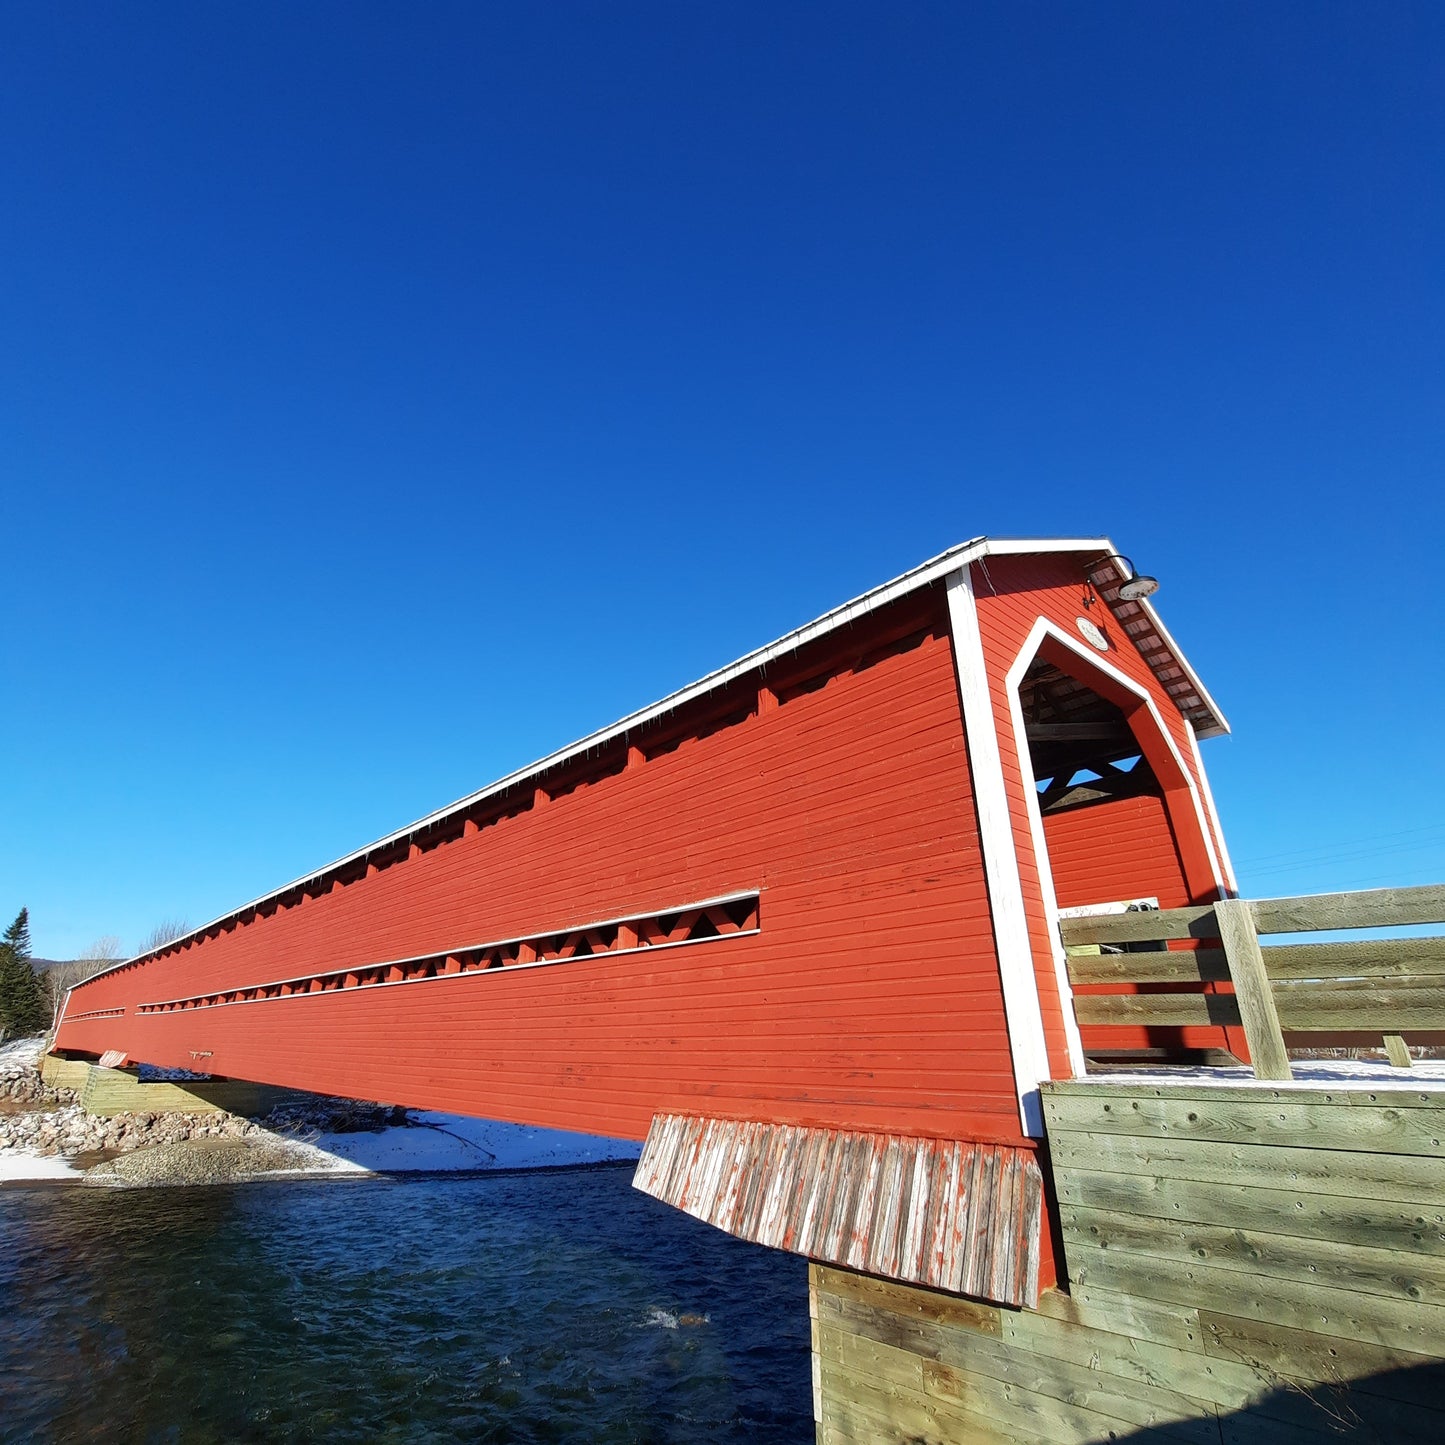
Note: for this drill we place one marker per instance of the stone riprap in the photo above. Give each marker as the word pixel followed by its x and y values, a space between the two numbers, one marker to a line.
pixel 207 1160
pixel 69 1131
pixel 173 1148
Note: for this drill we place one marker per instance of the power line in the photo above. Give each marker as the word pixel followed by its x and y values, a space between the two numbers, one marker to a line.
pixel 1325 859
pixel 1350 881
pixel 1376 837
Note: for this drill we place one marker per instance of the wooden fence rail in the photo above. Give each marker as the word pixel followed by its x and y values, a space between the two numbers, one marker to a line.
pixel 1389 986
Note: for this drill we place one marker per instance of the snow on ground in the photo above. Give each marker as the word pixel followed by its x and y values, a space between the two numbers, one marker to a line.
pixel 1426 1074
pixel 16 1167
pixel 21 1053
pixel 434 1143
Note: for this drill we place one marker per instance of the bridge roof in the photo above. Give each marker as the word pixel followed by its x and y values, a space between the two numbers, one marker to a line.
pixel 1139 618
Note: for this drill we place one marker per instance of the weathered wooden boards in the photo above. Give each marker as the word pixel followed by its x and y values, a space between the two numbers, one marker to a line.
pixel 1376 958
pixel 897 1363
pixel 1245 1264
pixel 1368 908
pixel 958 1214
pixel 1301 1008
pixel 107 1092
pixel 1387 987
pixel 64 1073
pixel 1303 1229
pixel 1251 989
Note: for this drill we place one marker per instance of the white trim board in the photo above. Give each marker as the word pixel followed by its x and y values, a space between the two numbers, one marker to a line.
pixel 331 971
pixel 149 1009
pixel 1042 865
pixel 1146 606
pixel 1225 862
pixel 1022 1010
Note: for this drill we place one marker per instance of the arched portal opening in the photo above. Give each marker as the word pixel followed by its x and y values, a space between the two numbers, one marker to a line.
pixel 1102 805
pixel 1117 823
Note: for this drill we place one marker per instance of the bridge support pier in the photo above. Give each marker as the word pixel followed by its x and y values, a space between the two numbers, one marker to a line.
pixel 107 1092
pixel 1244 1263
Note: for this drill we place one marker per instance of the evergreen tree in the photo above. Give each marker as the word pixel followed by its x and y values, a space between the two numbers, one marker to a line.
pixel 18 935
pixel 22 1002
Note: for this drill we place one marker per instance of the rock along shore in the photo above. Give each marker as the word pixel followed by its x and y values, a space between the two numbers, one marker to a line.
pixel 166 1148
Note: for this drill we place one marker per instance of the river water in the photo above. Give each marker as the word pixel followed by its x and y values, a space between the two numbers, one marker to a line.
pixel 558 1306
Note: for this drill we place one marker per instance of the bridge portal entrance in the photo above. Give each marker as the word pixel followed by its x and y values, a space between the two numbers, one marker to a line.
pixel 1116 822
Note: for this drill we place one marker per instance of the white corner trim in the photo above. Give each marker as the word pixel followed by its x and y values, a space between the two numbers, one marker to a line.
pixel 1225 862
pixel 1041 847
pixel 1044 627
pixel 1027 1043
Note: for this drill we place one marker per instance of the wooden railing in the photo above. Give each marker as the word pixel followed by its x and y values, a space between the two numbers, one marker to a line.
pixel 1386 987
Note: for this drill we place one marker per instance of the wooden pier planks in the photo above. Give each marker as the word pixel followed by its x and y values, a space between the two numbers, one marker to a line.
pixel 1246 1264
pixel 1358 1241
pixel 107 1092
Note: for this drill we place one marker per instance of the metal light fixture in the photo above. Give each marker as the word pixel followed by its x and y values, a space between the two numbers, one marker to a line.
pixel 1136 584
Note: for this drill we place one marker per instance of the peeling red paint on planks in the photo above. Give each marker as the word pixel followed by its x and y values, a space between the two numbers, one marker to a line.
pixel 953 1214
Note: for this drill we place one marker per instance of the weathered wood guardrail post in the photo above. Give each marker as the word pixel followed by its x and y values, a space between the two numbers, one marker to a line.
pixel 1252 990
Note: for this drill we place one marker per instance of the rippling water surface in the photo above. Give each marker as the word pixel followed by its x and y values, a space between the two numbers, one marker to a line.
pixel 529 1307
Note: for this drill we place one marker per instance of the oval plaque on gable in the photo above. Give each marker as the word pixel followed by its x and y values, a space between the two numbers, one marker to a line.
pixel 1092 634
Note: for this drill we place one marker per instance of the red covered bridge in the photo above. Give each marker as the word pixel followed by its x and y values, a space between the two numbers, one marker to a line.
pixel 817 889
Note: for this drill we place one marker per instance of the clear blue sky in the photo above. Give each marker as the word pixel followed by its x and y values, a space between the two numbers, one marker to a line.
pixel 391 394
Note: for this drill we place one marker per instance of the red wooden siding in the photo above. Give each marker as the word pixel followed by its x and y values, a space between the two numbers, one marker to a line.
pixel 1114 851
pixel 869 999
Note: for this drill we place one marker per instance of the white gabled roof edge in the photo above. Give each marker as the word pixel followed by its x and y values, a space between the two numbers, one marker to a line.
pixel 923 575
pixel 1221 727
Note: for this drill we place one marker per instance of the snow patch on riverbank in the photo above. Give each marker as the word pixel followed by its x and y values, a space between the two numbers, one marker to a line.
pixel 19 1167
pixel 39 1141
pixel 22 1053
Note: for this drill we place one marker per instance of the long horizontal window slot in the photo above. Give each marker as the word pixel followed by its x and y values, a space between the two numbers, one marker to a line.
pixel 733 915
